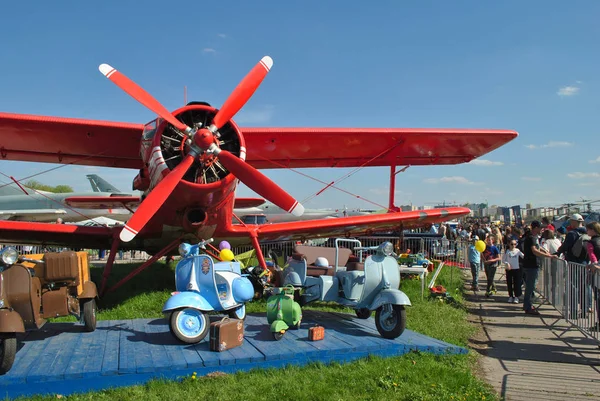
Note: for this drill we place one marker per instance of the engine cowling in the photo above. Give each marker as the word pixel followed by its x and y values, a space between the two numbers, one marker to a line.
pixel 164 147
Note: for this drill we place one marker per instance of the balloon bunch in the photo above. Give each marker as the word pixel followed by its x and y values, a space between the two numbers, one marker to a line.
pixel 225 253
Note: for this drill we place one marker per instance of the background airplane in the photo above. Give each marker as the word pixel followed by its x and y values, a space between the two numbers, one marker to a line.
pixel 26 204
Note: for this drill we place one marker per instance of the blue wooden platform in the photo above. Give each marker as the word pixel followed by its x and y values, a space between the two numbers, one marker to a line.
pixel 62 359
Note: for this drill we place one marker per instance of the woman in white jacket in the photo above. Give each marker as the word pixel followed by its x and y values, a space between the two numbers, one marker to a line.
pixel 514 275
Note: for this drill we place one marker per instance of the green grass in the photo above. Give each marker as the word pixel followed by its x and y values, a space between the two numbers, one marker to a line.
pixel 414 376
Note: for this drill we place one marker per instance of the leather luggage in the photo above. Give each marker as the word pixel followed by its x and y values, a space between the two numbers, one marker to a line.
pixel 316 333
pixel 226 334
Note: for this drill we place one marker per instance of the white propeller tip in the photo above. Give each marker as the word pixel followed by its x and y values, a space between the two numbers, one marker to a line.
pixel 127 234
pixel 267 62
pixel 105 69
pixel 297 210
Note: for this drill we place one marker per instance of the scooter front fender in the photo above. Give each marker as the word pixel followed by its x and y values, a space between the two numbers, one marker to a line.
pixel 187 299
pixel 11 322
pixel 278 326
pixel 390 296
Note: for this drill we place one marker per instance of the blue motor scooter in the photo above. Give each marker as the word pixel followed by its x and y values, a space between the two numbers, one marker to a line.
pixel 203 286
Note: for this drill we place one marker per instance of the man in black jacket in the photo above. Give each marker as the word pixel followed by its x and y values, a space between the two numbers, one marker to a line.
pixel 531 250
pixel 576 229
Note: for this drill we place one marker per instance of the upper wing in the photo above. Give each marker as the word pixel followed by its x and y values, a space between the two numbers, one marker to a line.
pixel 69 140
pixel 352 147
pixel 351 226
pixel 111 144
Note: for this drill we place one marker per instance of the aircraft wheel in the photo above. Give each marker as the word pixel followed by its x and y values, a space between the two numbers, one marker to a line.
pixel 390 320
pixel 89 314
pixel 189 325
pixel 238 313
pixel 8 350
pixel 363 313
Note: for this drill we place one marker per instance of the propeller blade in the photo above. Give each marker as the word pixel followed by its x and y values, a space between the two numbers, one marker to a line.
pixel 243 91
pixel 260 183
pixel 139 94
pixel 155 200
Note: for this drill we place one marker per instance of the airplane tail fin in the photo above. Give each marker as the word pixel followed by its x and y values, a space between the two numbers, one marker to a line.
pixel 101 185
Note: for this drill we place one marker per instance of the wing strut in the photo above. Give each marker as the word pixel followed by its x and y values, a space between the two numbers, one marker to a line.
pixel 393 173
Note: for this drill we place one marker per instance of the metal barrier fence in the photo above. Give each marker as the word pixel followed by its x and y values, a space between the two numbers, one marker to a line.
pixel 95 254
pixel 574 290
pixel 438 248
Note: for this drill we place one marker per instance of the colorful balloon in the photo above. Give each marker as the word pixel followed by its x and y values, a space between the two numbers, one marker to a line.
pixel 226 255
pixel 224 245
pixel 480 246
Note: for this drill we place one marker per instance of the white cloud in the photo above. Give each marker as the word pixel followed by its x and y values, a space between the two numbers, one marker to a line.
pixel 595 161
pixel 579 175
pixel 482 162
pixel 455 179
pixel 208 50
pixel 255 116
pixel 568 90
pixel 551 144
pixel 531 178
pixel 222 35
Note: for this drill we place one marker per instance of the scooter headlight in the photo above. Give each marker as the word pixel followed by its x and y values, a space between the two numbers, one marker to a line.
pixel 184 249
pixel 9 255
pixel 387 248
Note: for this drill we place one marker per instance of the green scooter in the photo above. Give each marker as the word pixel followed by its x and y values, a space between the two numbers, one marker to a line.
pixel 283 312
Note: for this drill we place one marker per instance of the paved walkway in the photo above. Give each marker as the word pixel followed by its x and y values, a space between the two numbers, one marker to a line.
pixel 527 357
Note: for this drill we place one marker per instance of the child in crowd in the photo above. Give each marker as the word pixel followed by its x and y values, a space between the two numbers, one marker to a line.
pixel 514 275
pixel 475 262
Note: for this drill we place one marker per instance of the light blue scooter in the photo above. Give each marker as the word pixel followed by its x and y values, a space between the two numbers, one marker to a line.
pixel 375 288
pixel 203 286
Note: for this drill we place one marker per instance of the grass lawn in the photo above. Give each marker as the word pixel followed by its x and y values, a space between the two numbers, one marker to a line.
pixel 415 376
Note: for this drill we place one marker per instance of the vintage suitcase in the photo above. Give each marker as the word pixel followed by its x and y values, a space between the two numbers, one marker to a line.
pixel 226 334
pixel 316 333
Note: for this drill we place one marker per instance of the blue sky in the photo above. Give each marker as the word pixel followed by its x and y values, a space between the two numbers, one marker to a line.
pixel 528 66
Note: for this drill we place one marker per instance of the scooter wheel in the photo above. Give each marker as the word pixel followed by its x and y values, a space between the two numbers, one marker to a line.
pixel 8 350
pixel 189 325
pixel 89 314
pixel 278 335
pixel 390 325
pixel 238 313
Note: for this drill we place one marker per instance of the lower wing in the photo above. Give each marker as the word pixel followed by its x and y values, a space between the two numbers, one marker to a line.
pixel 350 226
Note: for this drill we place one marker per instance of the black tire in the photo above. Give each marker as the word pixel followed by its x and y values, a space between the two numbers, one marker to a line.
pixel 278 335
pixel 363 313
pixel 8 350
pixel 393 328
pixel 89 314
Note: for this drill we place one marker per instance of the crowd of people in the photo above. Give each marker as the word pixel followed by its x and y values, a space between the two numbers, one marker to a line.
pixel 520 251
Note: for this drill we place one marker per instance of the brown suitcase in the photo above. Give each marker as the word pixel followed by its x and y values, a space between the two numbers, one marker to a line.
pixel 316 333
pixel 226 334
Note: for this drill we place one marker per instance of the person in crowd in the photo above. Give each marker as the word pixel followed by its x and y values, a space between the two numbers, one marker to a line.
pixel 514 275
pixel 531 252
pixel 546 225
pixel 593 251
pixel 491 259
pixel 498 235
pixel 549 243
pixel 474 262
pixel 577 229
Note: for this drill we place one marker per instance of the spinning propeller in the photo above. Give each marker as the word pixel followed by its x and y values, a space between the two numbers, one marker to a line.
pixel 203 141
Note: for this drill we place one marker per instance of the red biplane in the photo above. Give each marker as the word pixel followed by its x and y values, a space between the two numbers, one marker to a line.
pixel 190 161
